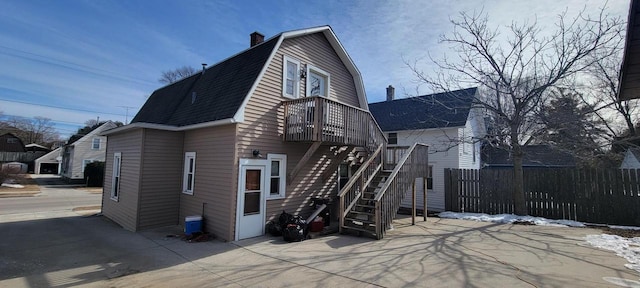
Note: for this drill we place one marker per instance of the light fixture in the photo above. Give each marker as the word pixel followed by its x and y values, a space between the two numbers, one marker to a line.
pixel 256 153
pixel 303 73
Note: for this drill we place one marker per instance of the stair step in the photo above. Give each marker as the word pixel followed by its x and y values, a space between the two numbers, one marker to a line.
pixel 356 220
pixel 362 213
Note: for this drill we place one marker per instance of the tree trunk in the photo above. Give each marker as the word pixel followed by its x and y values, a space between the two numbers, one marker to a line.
pixel 519 204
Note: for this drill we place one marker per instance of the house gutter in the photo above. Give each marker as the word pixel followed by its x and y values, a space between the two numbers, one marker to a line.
pixel 144 125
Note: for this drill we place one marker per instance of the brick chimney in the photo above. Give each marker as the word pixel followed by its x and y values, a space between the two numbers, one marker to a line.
pixel 391 93
pixel 256 38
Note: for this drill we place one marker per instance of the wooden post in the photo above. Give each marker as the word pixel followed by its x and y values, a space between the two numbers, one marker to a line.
pixel 413 200
pixel 424 198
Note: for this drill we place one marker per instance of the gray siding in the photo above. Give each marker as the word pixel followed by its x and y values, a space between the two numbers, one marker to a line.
pixel 161 179
pixel 263 125
pixel 125 210
pixel 215 179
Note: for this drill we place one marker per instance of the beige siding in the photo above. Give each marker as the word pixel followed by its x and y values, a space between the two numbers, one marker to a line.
pixel 161 179
pixel 316 51
pixel 215 179
pixel 124 211
pixel 263 126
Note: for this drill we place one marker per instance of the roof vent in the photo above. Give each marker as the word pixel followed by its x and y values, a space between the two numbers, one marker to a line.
pixel 204 67
pixel 193 97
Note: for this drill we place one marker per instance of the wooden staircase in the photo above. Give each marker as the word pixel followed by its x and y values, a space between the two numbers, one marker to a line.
pixel 361 217
pixel 371 209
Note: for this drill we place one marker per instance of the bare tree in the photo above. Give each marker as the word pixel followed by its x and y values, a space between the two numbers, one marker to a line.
pixel 515 75
pixel 39 130
pixel 171 76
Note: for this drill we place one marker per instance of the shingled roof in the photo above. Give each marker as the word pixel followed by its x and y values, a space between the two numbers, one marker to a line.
pixel 215 94
pixel 449 109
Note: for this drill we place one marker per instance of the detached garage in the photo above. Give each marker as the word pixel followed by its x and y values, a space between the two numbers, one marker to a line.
pixel 49 163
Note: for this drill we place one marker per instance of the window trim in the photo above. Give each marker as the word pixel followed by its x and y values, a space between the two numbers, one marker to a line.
pixel 186 172
pixel 282 158
pixel 316 70
pixel 93 143
pixel 115 185
pixel 296 80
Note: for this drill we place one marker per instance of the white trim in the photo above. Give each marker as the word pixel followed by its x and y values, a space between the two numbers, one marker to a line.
pixel 247 162
pixel 296 78
pixel 115 187
pixel 188 170
pixel 282 158
pixel 144 125
pixel 322 73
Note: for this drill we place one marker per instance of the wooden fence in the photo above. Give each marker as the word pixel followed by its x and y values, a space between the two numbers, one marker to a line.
pixel 594 196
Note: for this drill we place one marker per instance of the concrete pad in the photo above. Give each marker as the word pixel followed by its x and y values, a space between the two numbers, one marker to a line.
pixel 69 250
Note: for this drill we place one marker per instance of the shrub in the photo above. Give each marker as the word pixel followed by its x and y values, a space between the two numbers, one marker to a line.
pixel 94 174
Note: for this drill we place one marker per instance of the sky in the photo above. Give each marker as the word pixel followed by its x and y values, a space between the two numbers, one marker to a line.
pixel 72 61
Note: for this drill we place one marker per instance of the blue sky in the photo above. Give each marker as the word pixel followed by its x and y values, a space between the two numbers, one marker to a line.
pixel 72 61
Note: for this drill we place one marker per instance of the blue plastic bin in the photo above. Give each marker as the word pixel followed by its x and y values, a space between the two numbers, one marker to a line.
pixel 192 224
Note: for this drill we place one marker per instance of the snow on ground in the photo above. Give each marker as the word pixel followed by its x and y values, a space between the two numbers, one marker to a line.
pixel 12 185
pixel 628 248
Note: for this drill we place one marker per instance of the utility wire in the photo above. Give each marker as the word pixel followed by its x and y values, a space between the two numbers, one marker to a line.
pixel 60 107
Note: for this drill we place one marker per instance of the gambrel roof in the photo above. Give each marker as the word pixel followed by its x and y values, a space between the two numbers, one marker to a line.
pixel 219 94
pixel 441 110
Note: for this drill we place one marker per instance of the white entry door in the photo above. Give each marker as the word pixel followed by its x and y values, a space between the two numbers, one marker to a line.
pixel 251 201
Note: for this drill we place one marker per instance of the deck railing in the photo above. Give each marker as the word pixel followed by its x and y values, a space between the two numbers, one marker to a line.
pixel 319 119
pixel 393 156
pixel 352 191
pixel 412 165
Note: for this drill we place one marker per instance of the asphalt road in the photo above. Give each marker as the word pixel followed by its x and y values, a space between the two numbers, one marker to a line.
pixel 53 197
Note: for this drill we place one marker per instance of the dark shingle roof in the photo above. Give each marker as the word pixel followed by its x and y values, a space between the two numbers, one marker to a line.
pixel 534 156
pixel 213 95
pixel 449 109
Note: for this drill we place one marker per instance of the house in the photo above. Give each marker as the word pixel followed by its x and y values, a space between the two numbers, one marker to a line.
pixel 629 87
pixel 88 148
pixel 11 143
pixel 50 163
pixel 448 122
pixel 631 159
pixel 535 156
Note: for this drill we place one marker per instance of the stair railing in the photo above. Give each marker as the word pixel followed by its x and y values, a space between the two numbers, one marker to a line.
pixel 352 191
pixel 412 165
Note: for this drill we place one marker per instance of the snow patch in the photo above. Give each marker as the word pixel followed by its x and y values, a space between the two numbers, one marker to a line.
pixel 510 218
pixel 12 185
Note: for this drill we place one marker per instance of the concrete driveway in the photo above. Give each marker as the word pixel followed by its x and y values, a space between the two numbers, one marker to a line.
pixel 64 249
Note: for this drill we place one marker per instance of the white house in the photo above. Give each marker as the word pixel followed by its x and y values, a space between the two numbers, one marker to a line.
pixel 446 122
pixel 91 147
pixel 631 159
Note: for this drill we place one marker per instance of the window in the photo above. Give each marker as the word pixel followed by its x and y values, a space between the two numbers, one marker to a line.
pixel 430 178
pixel 115 178
pixel 277 175
pixel 290 77
pixel 12 140
pixel 189 172
pixel 343 175
pixel 317 82
pixel 474 151
pixel 393 138
pixel 96 144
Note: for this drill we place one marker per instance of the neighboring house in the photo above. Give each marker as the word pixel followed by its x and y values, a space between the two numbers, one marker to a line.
pixel 33 147
pixel 87 149
pixel 50 163
pixel 11 143
pixel 631 159
pixel 535 156
pixel 263 131
pixel 629 87
pixel 446 122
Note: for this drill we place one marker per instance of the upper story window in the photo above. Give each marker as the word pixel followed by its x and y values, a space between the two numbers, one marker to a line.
pixel 317 82
pixel 96 144
pixel 12 140
pixel 393 138
pixel 290 77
